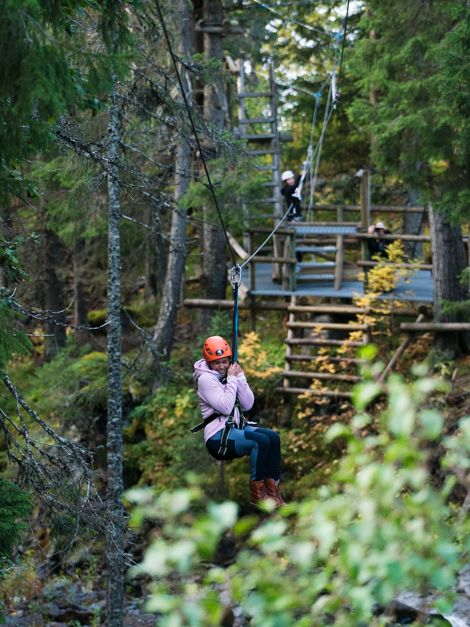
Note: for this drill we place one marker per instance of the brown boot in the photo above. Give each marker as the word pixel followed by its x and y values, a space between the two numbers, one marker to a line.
pixel 258 492
pixel 273 492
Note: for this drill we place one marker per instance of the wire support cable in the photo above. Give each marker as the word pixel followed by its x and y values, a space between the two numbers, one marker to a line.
pixel 261 246
pixel 292 20
pixel 344 38
pixel 193 127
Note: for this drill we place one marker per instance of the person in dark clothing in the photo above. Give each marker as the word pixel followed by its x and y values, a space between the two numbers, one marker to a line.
pixel 290 183
pixel 377 246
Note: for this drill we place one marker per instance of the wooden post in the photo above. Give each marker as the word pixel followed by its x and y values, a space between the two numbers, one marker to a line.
pixel 290 335
pixel 365 208
pixel 340 213
pixel 288 267
pixel 251 265
pixel 339 261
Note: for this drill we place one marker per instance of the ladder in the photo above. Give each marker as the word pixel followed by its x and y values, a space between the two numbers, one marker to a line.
pixel 262 140
pixel 328 362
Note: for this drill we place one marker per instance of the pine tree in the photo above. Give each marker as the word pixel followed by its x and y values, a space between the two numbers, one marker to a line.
pixel 419 117
pixel 15 507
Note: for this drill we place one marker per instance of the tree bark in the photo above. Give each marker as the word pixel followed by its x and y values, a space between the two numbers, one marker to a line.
pixel 52 292
pixel 80 309
pixel 115 539
pixel 214 243
pixel 163 335
pixel 448 261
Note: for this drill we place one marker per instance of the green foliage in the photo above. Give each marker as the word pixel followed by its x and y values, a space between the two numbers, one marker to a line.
pixel 47 66
pixel 412 73
pixel 379 527
pixel 161 449
pixel 232 183
pixel 15 507
pixel 12 340
pixel 9 260
pixel 75 380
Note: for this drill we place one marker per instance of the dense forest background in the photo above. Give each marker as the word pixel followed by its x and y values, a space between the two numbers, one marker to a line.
pixel 111 511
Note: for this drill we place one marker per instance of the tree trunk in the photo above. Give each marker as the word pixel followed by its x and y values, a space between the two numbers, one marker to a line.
pixel 448 262
pixel 214 243
pixel 163 335
pixel 80 309
pixel 52 292
pixel 115 539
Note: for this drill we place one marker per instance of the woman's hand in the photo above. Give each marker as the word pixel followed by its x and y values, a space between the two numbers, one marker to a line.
pixel 235 370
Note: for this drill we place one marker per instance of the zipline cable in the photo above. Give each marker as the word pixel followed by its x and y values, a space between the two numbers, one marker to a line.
pixel 333 97
pixel 344 38
pixel 193 126
pixel 273 232
pixel 292 20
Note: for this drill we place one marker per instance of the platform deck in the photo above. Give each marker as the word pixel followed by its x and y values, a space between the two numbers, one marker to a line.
pixel 418 289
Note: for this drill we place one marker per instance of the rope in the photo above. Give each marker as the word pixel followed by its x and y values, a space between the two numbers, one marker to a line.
pixel 326 118
pixel 193 126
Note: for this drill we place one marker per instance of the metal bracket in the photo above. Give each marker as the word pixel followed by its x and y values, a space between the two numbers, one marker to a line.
pixel 236 275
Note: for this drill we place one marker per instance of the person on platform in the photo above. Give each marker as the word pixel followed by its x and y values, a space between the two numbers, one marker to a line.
pixel 290 183
pixel 377 246
pixel 224 394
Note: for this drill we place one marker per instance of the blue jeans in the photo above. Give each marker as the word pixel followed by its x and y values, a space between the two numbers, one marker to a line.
pixel 262 445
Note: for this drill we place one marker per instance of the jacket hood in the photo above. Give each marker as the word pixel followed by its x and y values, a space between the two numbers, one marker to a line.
pixel 201 367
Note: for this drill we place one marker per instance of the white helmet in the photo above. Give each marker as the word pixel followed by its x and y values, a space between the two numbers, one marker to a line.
pixel 288 174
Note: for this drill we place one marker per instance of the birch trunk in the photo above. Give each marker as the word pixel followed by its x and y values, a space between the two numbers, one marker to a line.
pixel 214 259
pixel 115 539
pixel 163 335
pixel 448 262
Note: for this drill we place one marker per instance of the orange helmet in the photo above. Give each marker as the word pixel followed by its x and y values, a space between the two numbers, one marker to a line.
pixel 216 347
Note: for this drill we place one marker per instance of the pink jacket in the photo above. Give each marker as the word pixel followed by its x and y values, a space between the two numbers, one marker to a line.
pixel 215 397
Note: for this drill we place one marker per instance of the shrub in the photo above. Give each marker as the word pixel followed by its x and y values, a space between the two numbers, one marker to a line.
pixel 379 527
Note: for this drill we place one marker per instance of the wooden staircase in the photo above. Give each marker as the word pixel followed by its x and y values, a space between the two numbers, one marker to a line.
pixel 262 139
pixel 333 360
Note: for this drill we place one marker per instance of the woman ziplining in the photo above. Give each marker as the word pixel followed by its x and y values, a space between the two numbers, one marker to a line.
pixel 224 396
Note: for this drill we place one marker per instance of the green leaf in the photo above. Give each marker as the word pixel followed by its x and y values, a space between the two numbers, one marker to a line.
pixel 364 393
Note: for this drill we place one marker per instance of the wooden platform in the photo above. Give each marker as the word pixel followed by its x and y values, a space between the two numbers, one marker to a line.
pixel 419 288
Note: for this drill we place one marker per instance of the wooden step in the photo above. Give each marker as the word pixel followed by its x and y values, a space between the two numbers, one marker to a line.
pixel 315 249
pixel 260 137
pixel 262 151
pixel 255 94
pixel 326 393
pixel 326 376
pixel 312 265
pixel 318 342
pixel 338 326
pixel 315 277
pixel 341 309
pixel 335 360
pixel 257 121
